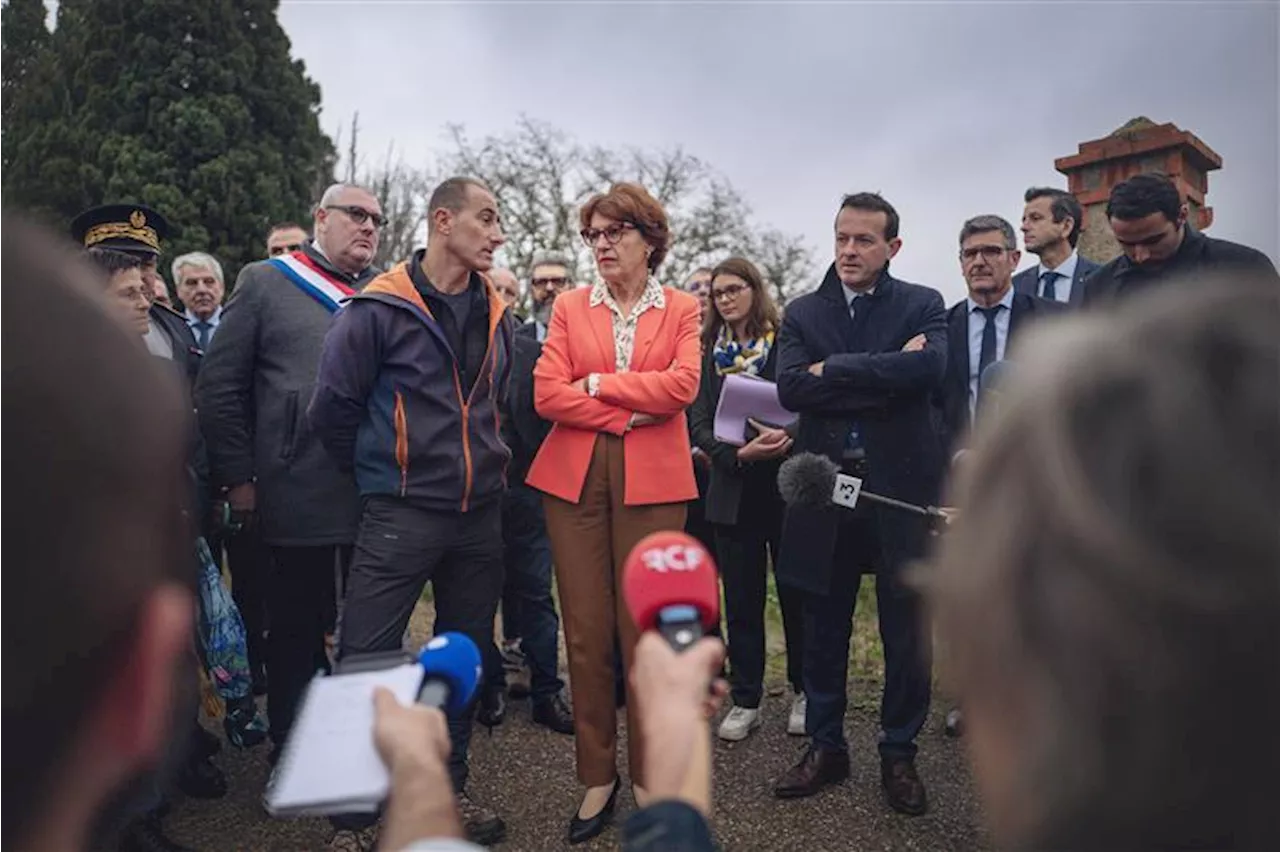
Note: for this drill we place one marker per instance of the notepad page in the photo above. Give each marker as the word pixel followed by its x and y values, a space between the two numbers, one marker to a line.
pixel 330 760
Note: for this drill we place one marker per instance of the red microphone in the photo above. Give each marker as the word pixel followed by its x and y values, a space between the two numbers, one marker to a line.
pixel 670 585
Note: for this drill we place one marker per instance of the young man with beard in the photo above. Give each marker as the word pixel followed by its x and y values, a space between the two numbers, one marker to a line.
pixel 410 395
pixel 530 623
pixel 1149 219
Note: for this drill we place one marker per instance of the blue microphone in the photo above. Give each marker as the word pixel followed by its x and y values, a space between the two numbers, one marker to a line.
pixel 452 672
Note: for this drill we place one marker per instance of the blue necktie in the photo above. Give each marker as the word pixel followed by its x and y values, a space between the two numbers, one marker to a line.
pixel 202 338
pixel 1050 289
pixel 987 354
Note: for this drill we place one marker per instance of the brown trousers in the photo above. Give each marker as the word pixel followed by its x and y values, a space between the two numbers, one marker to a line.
pixel 590 541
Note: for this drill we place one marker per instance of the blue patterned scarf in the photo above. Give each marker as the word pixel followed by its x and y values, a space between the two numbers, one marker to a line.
pixel 731 356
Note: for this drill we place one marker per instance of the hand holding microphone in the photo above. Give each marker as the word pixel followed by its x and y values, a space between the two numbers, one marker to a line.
pixel 451 672
pixel 413 741
pixel 671 590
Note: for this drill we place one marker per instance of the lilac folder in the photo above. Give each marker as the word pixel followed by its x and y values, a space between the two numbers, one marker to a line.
pixel 743 397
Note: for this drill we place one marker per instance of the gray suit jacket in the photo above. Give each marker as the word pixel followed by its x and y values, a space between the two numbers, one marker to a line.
pixel 252 395
pixel 1028 280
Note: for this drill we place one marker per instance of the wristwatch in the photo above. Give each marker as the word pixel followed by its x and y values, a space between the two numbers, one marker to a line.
pixel 593 385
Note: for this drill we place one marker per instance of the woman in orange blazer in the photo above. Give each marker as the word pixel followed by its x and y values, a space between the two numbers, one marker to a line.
pixel 620 364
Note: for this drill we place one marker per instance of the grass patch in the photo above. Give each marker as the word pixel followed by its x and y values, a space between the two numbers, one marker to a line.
pixel 866 656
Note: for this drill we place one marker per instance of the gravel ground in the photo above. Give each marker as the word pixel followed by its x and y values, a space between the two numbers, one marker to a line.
pixel 526 773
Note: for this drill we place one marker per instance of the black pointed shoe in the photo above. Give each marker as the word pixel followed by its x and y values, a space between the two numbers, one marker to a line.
pixel 582 830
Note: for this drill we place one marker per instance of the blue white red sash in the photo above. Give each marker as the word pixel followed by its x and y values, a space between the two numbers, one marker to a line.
pixel 314 280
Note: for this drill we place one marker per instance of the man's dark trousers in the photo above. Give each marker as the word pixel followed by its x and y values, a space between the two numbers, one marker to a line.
pixel 300 597
pixel 249 559
pixel 399 549
pixel 828 629
pixel 527 560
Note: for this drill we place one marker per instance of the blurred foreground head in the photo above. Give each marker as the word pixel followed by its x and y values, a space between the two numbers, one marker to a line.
pixel 1109 601
pixel 95 561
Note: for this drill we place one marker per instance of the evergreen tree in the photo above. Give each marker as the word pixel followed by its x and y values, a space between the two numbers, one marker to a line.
pixel 193 108
pixel 23 42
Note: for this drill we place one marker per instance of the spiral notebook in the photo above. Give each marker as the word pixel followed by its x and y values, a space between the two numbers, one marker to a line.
pixel 330 764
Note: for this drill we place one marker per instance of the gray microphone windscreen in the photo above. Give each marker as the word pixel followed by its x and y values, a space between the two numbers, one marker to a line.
pixel 995 376
pixel 807 479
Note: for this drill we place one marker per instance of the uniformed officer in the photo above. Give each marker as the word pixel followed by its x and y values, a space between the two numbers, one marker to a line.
pixel 138 229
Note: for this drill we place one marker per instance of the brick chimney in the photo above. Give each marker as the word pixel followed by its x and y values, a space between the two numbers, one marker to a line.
pixel 1139 146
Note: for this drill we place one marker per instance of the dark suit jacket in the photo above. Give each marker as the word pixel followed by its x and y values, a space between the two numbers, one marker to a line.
pixel 523 429
pixel 186 354
pixel 1028 280
pixel 1120 278
pixel 953 396
pixel 888 391
pixel 727 476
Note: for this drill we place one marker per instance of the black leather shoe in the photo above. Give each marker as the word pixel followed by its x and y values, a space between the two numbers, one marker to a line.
pixel 553 712
pixel 816 770
pixel 582 830
pixel 493 707
pixel 145 835
pixel 902 786
pixel 200 779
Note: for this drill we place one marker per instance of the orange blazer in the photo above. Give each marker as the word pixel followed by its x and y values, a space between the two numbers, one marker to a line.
pixel 666 367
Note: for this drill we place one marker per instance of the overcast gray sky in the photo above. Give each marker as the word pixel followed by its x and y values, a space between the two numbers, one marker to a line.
pixel 950 109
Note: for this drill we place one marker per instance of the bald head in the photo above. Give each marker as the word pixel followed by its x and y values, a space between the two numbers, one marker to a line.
pixel 507 285
pixel 348 225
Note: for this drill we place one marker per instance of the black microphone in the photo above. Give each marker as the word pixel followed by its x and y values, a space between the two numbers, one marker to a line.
pixel 813 480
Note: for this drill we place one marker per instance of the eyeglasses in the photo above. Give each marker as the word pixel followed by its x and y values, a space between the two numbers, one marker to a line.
pixel 541 283
pixel 359 215
pixel 289 249
pixel 612 234
pixel 987 252
pixel 728 294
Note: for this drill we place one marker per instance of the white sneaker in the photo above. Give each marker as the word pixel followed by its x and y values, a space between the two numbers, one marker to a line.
pixel 795 722
pixel 740 722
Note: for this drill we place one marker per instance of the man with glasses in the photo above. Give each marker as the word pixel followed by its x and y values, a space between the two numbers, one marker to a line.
pixel 530 623
pixel 252 397
pixel 285 238
pixel 1149 219
pixel 981 327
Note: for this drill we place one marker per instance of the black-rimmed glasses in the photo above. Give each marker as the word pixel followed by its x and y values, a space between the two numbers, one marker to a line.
pixel 359 215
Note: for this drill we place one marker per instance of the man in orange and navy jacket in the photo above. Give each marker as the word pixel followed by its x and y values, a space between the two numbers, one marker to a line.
pixel 410 394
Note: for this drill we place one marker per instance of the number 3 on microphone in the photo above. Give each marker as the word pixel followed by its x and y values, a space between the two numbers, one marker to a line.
pixel 846 490
pixel 676 557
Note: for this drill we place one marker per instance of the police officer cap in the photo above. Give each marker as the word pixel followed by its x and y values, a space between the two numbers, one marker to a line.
pixel 124 227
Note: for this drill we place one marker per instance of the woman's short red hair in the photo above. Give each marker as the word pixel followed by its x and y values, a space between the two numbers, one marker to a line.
pixel 631 202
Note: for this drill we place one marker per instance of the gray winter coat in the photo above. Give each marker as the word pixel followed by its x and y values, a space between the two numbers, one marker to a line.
pixel 252 395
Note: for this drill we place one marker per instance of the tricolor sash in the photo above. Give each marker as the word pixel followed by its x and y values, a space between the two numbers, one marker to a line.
pixel 312 279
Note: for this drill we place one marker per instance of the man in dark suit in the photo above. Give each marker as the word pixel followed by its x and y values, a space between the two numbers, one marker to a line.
pixel 1149 220
pixel 980 328
pixel 528 610
pixel 860 359
pixel 1051 224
